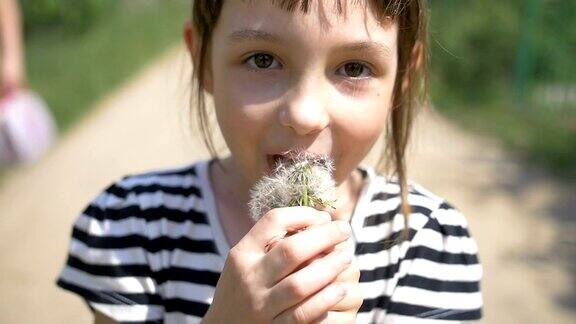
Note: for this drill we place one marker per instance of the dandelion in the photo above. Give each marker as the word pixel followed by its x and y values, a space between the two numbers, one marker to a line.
pixel 299 179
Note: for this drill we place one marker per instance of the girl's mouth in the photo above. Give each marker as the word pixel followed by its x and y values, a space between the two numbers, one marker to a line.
pixel 273 160
pixel 289 157
pixel 302 179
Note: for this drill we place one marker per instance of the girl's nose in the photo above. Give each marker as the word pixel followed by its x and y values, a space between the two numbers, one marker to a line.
pixel 305 112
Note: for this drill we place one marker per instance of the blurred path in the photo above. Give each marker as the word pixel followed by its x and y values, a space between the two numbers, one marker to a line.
pixel 135 129
pixel 510 208
pixel 524 221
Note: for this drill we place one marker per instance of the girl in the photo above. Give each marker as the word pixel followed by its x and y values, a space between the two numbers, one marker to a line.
pixel 323 77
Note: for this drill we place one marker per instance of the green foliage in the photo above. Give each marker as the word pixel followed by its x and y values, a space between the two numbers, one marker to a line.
pixel 473 46
pixel 73 71
pixel 475 52
pixel 555 43
pixel 69 15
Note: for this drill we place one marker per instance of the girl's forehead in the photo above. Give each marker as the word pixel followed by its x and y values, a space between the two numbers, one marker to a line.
pixel 245 19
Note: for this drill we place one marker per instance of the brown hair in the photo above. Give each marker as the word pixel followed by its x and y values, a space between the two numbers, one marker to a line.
pixel 410 88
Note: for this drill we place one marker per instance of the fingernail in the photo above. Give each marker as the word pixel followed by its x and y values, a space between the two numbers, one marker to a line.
pixel 345 257
pixel 344 227
pixel 336 291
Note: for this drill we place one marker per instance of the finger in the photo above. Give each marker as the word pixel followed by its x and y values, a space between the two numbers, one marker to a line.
pixel 350 278
pixel 333 317
pixel 346 245
pixel 350 274
pixel 352 300
pixel 317 258
pixel 345 275
pixel 294 250
pixel 313 307
pixel 280 221
pixel 308 281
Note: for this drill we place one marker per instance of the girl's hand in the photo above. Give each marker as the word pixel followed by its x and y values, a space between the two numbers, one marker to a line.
pixel 347 308
pixel 272 287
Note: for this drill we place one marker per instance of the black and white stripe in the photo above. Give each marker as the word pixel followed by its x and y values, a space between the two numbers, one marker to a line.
pixel 149 249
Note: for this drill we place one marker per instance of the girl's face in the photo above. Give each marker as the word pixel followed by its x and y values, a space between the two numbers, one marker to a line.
pixel 321 82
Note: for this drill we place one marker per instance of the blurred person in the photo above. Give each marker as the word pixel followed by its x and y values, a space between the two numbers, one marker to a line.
pixel 12 57
pixel 27 129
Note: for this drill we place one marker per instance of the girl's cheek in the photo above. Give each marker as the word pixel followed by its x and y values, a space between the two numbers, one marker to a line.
pixel 246 105
pixel 362 130
pixel 355 90
pixel 362 120
pixel 266 83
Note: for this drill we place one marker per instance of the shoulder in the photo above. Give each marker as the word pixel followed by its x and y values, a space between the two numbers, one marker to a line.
pixel 382 204
pixel 169 192
pixel 434 223
pixel 141 207
pixel 435 273
pixel 121 240
pixel 442 273
pixel 182 180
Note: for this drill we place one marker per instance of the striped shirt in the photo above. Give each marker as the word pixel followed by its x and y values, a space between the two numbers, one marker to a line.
pixel 150 248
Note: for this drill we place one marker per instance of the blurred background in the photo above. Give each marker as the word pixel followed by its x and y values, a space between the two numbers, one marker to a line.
pixel 499 143
pixel 506 69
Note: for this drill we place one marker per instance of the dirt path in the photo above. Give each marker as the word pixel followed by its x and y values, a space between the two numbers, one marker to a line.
pixel 524 222
pixel 521 219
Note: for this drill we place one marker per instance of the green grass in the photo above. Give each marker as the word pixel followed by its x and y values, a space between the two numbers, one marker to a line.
pixel 73 71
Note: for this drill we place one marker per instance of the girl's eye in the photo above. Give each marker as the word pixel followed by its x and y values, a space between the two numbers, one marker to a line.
pixel 264 61
pixel 260 60
pixel 356 70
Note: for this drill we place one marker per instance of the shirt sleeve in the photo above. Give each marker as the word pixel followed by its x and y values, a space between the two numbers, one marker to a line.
pixel 107 262
pixel 439 280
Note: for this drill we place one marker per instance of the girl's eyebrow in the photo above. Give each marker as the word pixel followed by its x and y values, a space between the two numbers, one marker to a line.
pixel 254 34
pixel 366 46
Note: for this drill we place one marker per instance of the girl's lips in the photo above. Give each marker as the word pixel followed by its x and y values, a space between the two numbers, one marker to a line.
pixel 273 159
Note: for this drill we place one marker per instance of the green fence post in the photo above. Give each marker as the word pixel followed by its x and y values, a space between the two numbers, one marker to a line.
pixel 525 55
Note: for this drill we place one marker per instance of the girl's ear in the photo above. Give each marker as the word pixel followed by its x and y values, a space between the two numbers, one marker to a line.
pixel 418 55
pixel 416 59
pixel 193 43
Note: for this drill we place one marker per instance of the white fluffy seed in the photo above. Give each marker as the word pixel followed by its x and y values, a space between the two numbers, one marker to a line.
pixel 285 188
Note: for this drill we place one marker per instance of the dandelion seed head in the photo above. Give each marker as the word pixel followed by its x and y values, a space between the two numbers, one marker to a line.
pixel 295 176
